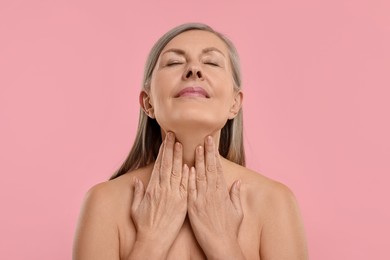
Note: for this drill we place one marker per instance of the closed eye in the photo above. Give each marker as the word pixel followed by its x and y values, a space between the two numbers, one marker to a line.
pixel 212 64
pixel 174 63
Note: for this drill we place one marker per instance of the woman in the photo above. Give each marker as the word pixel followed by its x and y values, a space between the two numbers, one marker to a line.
pixel 183 192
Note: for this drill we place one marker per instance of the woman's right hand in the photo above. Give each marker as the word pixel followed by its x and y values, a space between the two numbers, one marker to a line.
pixel 159 211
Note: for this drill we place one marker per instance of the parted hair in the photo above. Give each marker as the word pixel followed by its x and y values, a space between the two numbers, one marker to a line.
pixel 148 139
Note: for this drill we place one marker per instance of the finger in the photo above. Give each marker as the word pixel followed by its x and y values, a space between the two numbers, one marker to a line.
pixel 220 182
pixel 138 194
pixel 184 180
pixel 155 177
pixel 192 192
pixel 176 173
pixel 166 161
pixel 211 168
pixel 235 196
pixel 201 181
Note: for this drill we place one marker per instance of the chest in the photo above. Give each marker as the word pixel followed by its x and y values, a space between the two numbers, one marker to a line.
pixel 186 246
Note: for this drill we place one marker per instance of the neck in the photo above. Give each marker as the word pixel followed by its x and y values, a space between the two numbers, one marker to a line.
pixel 192 140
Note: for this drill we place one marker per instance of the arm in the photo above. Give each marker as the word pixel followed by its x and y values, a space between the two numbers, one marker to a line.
pixel 282 236
pixel 96 234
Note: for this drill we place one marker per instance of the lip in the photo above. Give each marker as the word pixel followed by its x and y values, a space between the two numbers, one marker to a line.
pixel 194 91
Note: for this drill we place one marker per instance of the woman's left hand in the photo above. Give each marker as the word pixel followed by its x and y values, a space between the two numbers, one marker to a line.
pixel 214 212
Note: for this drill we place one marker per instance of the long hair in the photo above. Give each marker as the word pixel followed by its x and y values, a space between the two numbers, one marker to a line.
pixel 148 138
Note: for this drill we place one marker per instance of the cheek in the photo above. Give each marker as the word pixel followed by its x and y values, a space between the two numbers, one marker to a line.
pixel 224 90
pixel 162 84
pixel 221 80
pixel 159 88
pixel 159 98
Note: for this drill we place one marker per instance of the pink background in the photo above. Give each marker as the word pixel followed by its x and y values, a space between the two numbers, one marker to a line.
pixel 316 81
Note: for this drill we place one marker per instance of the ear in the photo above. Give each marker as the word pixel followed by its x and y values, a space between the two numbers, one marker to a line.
pixel 236 106
pixel 144 101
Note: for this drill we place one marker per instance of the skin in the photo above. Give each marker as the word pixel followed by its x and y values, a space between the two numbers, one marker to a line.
pixel 191 203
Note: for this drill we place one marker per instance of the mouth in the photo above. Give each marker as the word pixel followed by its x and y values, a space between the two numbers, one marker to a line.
pixel 193 92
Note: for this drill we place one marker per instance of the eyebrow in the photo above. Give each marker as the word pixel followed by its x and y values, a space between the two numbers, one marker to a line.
pixel 212 49
pixel 182 52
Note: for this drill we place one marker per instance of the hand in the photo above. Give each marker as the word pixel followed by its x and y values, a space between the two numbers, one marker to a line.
pixel 214 213
pixel 159 212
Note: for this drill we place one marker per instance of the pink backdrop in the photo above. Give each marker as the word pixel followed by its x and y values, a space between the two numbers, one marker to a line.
pixel 316 81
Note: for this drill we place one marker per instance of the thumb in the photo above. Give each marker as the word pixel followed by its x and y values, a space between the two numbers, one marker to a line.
pixel 235 196
pixel 138 193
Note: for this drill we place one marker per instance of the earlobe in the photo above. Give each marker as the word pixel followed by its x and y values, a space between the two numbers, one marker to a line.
pixel 236 106
pixel 144 101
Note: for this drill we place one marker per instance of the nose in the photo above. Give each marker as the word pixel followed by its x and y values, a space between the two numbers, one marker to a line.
pixel 193 72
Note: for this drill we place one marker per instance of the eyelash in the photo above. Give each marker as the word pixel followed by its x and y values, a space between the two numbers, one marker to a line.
pixel 178 63
pixel 212 64
pixel 173 64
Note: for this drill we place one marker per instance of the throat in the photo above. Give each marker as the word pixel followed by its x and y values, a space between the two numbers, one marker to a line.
pixel 191 142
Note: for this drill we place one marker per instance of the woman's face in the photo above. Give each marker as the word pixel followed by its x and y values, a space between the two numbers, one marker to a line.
pixel 192 83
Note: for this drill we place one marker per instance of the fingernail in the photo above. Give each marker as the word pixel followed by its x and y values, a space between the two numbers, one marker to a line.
pixel 238 184
pixel 209 140
pixel 169 136
pixel 200 150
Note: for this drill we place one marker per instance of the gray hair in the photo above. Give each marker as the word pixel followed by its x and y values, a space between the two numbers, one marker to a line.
pixel 148 138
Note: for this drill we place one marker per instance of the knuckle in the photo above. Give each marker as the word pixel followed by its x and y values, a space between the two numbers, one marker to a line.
pixel 183 187
pixel 151 194
pixel 201 177
pixel 175 173
pixel 177 150
pixel 211 168
pixel 191 189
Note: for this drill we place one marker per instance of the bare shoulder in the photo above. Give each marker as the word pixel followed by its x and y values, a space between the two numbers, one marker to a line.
pixel 272 193
pixel 263 191
pixel 105 206
pixel 110 194
pixel 274 207
pixel 104 197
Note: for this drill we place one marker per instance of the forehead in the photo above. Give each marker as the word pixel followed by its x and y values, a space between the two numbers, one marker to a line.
pixel 197 40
